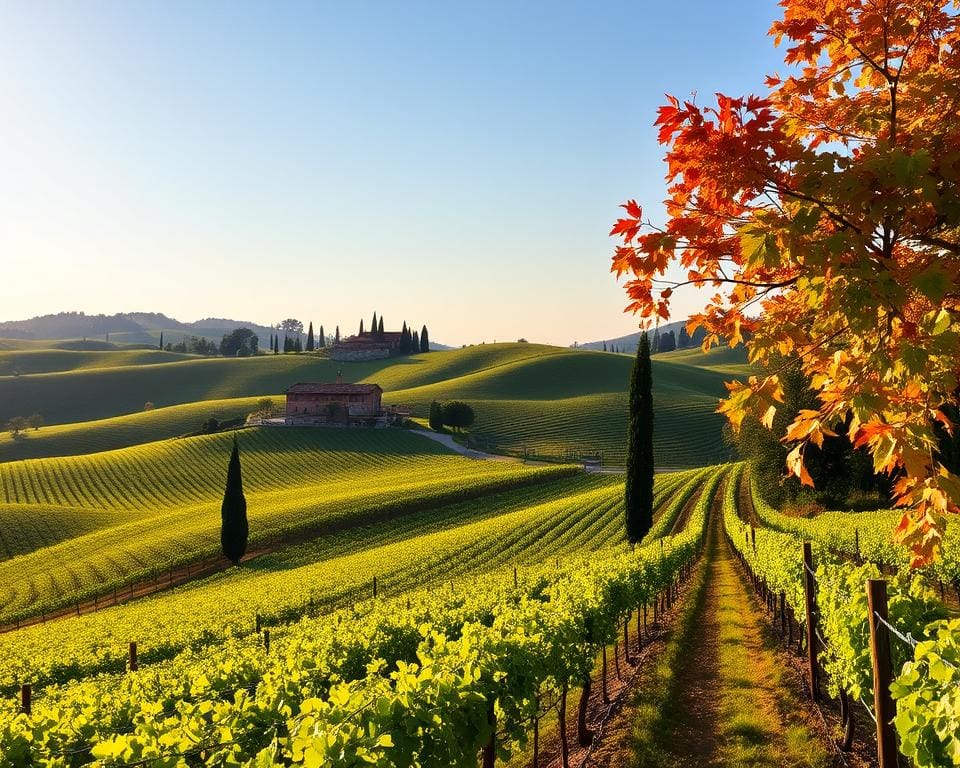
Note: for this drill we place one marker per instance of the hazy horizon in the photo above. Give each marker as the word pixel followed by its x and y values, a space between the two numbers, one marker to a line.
pixel 458 166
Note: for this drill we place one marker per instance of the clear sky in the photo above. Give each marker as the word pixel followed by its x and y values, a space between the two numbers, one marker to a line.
pixel 454 163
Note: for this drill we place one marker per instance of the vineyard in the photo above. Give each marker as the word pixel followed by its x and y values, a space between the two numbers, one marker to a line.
pixel 544 400
pixel 850 586
pixel 437 650
pixel 135 514
pixel 489 613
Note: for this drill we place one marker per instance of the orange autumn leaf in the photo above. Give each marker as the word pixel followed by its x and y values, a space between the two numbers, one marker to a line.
pixel 821 214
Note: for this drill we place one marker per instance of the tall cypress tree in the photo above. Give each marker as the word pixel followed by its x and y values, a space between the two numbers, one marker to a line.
pixel 323 339
pixel 297 346
pixel 415 343
pixel 639 484
pixel 234 528
pixel 161 339
pixel 380 329
pixel 373 326
pixel 310 346
pixel 336 336
pixel 361 326
pixel 424 340
pixel 404 339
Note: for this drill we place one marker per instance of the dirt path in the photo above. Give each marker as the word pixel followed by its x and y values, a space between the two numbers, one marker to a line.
pixel 730 699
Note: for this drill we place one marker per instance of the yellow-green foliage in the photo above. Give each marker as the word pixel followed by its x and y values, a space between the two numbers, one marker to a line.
pixel 158 504
pixel 565 517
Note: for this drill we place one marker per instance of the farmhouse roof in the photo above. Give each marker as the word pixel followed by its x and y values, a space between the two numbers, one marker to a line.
pixel 306 388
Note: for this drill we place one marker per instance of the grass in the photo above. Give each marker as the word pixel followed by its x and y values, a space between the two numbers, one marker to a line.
pixel 719 694
pixel 32 361
pixel 546 400
pixel 135 512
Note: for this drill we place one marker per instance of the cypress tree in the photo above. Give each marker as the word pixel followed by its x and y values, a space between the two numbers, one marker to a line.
pixel 234 528
pixel 373 326
pixel 424 340
pixel 415 343
pixel 404 339
pixel 323 339
pixel 336 336
pixel 310 344
pixel 161 339
pixel 604 346
pixel 361 326
pixel 683 339
pixel 380 329
pixel 298 347
pixel 639 481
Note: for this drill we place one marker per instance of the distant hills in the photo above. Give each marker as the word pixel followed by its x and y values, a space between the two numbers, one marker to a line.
pixel 136 328
pixel 123 327
pixel 629 342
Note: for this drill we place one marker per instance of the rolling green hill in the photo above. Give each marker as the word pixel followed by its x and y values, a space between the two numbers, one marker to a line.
pixel 26 362
pixel 132 513
pixel 548 400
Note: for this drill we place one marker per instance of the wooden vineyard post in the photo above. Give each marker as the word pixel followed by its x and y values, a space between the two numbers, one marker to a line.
pixel 133 657
pixel 809 592
pixel 266 641
pixel 490 748
pixel 883 705
pixel 257 623
pixel 26 695
pixel 374 586
pixel 626 640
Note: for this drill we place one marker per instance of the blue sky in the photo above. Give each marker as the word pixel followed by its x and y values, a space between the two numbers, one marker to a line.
pixel 454 163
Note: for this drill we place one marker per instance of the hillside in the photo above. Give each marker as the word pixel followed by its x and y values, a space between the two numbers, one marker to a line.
pixel 549 400
pixel 139 511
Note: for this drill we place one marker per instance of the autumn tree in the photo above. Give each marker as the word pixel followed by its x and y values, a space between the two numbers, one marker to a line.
pixel 825 216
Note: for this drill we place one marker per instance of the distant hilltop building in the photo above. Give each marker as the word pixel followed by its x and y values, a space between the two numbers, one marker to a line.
pixel 336 404
pixel 366 346
pixel 378 344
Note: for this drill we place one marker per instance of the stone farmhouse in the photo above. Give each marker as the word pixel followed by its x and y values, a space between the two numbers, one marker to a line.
pixel 335 404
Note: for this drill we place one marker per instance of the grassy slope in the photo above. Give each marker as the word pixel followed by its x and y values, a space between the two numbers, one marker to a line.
pixel 134 512
pixel 548 399
pixel 33 361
